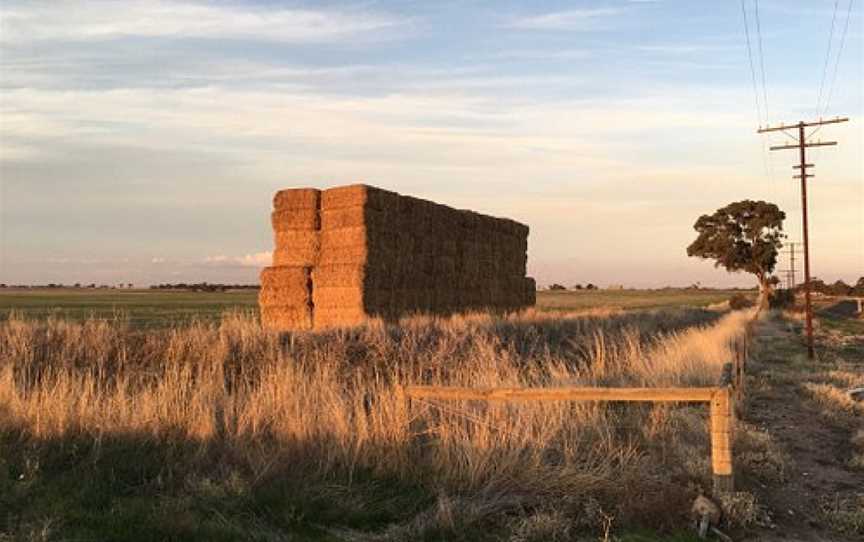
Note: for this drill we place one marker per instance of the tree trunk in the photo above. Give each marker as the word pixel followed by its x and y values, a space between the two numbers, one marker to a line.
pixel 765 290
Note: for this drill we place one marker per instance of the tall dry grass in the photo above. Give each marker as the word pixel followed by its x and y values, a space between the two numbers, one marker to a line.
pixel 328 407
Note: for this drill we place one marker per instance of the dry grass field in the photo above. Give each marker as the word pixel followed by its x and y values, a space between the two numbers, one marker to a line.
pixel 223 431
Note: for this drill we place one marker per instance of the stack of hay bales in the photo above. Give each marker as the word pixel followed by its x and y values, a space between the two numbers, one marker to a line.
pixel 370 252
pixel 286 287
pixel 359 257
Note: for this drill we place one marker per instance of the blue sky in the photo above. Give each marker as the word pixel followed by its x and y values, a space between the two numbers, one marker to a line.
pixel 142 141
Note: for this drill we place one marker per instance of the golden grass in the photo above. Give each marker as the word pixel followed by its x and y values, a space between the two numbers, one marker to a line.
pixel 331 403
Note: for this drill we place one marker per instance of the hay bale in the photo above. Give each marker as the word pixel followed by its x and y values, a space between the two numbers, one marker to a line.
pixel 357 236
pixel 284 277
pixel 357 216
pixel 286 318
pixel 293 296
pixel 349 297
pixel 358 245
pixel 356 255
pixel 530 292
pixel 299 248
pixel 358 195
pixel 297 198
pixel 335 317
pixel 295 219
pixel 351 275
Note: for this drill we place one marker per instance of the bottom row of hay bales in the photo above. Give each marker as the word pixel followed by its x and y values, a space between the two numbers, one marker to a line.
pixel 304 298
pixel 286 297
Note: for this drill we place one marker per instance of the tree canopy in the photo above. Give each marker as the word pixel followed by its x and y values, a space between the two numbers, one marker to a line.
pixel 743 236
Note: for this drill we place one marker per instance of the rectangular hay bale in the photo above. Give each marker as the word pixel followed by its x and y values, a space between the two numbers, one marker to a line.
pixel 284 277
pixel 297 248
pixel 294 219
pixel 294 296
pixel 350 275
pixel 354 217
pixel 336 317
pixel 297 198
pixel 286 318
pixel 358 195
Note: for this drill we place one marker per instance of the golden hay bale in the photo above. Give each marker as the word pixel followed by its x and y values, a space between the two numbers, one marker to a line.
pixel 295 258
pixel 297 198
pixel 335 296
pixel 294 296
pixel 351 275
pixel 348 297
pixel 284 277
pixel 297 248
pixel 358 246
pixel 357 236
pixel 354 217
pixel 282 318
pixel 327 317
pixel 358 195
pixel 295 219
pixel 298 239
pixel 357 255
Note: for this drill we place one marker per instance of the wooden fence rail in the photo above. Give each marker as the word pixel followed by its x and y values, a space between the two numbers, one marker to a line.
pixel 725 402
pixel 720 399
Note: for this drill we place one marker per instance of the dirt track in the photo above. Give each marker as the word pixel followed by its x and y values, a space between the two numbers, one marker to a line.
pixel 821 490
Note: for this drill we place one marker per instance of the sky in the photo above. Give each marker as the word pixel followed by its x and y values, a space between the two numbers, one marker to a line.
pixel 141 142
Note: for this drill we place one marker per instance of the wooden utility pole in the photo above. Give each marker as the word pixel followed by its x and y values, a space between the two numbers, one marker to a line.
pixel 802 146
pixel 790 273
pixel 792 266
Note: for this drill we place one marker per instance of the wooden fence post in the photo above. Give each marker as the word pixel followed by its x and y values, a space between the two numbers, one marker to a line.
pixel 722 422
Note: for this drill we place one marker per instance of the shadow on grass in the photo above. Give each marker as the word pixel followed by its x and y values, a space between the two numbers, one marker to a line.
pixel 132 487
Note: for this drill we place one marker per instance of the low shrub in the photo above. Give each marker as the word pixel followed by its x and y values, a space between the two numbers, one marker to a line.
pixel 740 301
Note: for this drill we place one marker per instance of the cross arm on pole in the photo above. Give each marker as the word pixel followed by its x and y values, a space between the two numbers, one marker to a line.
pixel 819 144
pixel 819 122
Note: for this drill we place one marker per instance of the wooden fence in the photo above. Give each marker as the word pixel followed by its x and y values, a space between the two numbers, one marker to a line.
pixel 726 401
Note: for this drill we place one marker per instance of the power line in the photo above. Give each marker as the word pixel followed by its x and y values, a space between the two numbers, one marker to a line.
pixel 768 168
pixel 752 68
pixel 762 63
pixel 836 66
pixel 827 59
pixel 839 54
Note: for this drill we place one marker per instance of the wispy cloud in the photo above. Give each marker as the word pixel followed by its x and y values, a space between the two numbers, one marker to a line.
pixel 540 54
pixel 88 21
pixel 574 19
pixel 256 259
pixel 685 49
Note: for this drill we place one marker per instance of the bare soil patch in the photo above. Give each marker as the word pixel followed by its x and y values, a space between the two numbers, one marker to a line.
pixel 802 405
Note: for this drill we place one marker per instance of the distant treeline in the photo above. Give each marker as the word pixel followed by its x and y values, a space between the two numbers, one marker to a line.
pixel 590 286
pixel 205 287
pixel 838 288
pixel 192 287
pixel 92 285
